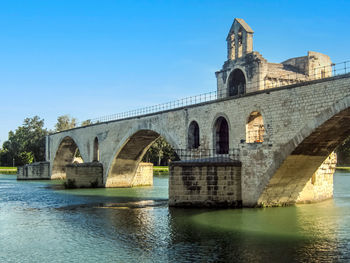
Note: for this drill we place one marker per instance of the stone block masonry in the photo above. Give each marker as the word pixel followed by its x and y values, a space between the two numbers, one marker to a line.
pixel 34 171
pixel 91 174
pixel 320 185
pixel 205 184
pixel 144 175
pixel 85 174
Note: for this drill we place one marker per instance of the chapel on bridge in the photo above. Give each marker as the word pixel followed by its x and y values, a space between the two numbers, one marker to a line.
pixel 248 71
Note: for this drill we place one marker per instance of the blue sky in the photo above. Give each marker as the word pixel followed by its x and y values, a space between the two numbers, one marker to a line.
pixel 94 58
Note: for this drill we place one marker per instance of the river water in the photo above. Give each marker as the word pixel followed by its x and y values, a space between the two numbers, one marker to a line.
pixel 39 223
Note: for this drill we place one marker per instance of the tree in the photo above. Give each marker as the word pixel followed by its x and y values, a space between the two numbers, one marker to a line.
pixel 65 122
pixel 86 123
pixel 343 153
pixel 26 144
pixel 160 153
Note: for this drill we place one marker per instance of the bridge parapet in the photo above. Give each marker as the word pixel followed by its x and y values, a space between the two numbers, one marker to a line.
pixel 284 80
pixel 207 155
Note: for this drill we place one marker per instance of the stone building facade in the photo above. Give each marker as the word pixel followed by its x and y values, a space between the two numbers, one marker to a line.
pixel 247 71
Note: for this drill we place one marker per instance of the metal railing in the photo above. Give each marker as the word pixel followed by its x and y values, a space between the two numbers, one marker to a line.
pixel 269 83
pixel 208 155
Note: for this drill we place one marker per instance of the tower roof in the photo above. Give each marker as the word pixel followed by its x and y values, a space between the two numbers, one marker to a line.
pixel 243 24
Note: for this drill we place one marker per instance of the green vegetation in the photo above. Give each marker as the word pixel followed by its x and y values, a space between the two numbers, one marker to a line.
pixel 343 153
pixel 65 122
pixel 8 170
pixel 160 170
pixel 25 145
pixel 94 184
pixel 160 153
pixel 70 184
pixel 343 168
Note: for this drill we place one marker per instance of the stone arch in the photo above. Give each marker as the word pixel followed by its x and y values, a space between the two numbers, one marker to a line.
pixel 65 154
pixel 96 152
pixel 236 83
pixel 128 156
pixel 255 128
pixel 221 132
pixel 193 134
pixel 299 159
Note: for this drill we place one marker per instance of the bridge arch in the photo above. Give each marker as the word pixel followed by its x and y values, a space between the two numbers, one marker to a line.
pixel 305 153
pixel 193 135
pixel 237 82
pixel 128 155
pixel 221 134
pixel 66 154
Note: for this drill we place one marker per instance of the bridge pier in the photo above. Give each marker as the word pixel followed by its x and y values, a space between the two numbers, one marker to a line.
pixel 205 184
pixel 87 175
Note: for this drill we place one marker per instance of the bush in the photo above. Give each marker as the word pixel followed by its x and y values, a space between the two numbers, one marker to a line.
pixel 70 184
pixel 94 184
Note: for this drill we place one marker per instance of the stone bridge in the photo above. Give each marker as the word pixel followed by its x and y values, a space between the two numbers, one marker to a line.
pixel 285 120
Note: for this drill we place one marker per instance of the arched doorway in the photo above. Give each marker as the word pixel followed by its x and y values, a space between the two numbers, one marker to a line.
pixel 221 135
pixel 193 135
pixel 236 83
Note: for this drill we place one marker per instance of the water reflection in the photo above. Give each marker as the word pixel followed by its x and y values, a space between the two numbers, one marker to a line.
pixel 134 225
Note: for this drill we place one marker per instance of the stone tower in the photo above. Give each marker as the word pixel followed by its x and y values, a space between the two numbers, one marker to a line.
pixel 239 39
pixel 248 71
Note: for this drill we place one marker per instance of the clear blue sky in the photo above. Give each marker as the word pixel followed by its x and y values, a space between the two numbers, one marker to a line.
pixel 94 58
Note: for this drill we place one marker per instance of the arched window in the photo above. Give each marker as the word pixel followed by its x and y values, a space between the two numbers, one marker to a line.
pixel 236 83
pixel 193 135
pixel 221 133
pixel 255 128
pixel 96 151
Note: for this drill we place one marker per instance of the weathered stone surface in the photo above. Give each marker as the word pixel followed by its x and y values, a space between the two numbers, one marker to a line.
pixel 205 184
pixel 34 171
pixel 144 175
pixel 85 174
pixel 320 185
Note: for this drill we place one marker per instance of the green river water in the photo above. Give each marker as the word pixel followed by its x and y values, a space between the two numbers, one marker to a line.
pixel 39 223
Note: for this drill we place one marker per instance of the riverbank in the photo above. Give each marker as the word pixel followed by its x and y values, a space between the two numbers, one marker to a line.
pixel 160 170
pixel 8 170
pixel 343 168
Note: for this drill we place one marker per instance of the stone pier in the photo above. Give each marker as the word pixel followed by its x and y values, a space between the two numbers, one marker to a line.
pixel 34 171
pixel 205 184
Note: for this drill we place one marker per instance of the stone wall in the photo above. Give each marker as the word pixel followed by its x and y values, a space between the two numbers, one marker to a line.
pixel 85 174
pixel 205 184
pixel 34 171
pixel 144 175
pixel 91 174
pixel 320 186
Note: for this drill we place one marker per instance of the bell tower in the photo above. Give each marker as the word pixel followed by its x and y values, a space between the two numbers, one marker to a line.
pixel 239 39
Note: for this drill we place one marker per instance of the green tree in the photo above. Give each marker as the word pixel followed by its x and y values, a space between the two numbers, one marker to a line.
pixel 26 144
pixel 65 122
pixel 343 153
pixel 160 153
pixel 86 123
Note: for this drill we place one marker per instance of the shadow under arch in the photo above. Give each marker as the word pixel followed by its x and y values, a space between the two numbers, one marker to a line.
pixel 123 167
pixel 306 152
pixel 67 153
